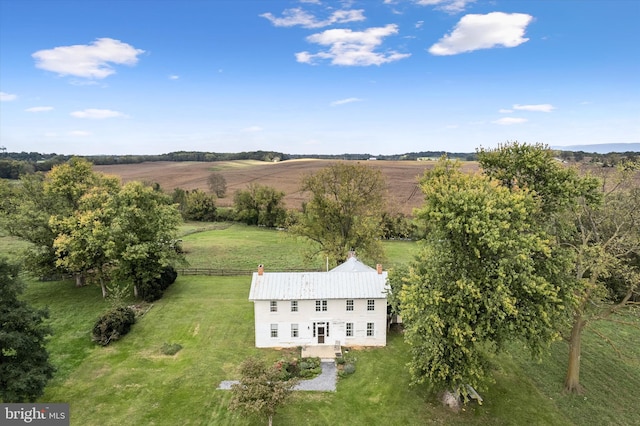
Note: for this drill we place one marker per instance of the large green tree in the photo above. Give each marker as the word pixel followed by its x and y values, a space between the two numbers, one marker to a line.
pixel 90 225
pixel 84 240
pixel 261 390
pixel 344 212
pixel 39 201
pixel 595 222
pixel 24 362
pixel 484 276
pixel 144 233
pixel 260 205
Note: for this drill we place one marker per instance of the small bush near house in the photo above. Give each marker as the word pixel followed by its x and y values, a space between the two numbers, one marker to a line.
pixel 348 369
pixel 113 325
pixel 310 367
pixel 288 369
pixel 346 364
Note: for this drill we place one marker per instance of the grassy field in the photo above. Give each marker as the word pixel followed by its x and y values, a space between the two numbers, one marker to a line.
pixel 131 382
pixel 238 246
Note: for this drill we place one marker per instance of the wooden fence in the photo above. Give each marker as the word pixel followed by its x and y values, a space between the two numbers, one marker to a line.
pixel 231 272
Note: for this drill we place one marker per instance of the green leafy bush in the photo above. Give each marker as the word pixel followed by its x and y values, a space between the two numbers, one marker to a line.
pixel 170 348
pixel 150 291
pixel 113 325
pixel 168 277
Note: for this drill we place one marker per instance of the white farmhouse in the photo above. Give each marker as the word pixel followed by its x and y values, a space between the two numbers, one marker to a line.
pixel 345 306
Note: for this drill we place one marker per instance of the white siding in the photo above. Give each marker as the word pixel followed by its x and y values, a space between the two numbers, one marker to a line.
pixel 336 316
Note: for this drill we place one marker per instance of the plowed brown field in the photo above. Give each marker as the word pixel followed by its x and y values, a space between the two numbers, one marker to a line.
pixel 402 177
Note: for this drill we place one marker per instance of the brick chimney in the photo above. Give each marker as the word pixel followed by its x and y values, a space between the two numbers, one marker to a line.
pixel 379 268
pixel 260 269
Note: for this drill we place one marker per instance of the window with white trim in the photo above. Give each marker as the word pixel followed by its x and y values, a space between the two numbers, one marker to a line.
pixel 274 330
pixel 321 305
pixel 371 305
pixel 273 306
pixel 349 329
pixel 294 306
pixel 370 329
pixel 349 304
pixel 294 330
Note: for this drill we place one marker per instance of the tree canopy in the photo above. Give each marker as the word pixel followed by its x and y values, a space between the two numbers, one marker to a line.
pixel 261 390
pixel 485 275
pixel 260 205
pixel 88 224
pixel 24 362
pixel 345 211
pixel 594 221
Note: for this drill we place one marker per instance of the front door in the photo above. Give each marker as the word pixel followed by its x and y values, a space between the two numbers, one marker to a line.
pixel 321 334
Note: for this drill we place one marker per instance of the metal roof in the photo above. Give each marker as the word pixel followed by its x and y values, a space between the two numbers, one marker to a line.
pixel 352 265
pixel 318 285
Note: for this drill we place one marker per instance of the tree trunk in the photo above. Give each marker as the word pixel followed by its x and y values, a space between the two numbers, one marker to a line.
pixel 270 420
pixel 572 380
pixel 80 281
pixel 104 288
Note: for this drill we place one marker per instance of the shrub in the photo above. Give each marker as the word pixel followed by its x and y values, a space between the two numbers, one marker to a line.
pixel 170 348
pixel 149 291
pixel 167 277
pixel 349 369
pixel 113 325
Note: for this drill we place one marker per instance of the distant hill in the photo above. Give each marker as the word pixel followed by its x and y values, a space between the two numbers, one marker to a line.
pixel 603 148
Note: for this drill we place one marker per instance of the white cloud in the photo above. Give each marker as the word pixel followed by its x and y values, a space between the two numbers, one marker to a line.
pixel 474 32
pixel 91 61
pixel 419 24
pixel 505 111
pixel 174 77
pixel 345 101
pixel 6 97
pixel 536 108
pixel 310 1
pixel 451 6
pixel 97 114
pixel 39 109
pixel 297 16
pixel 252 129
pixel 352 48
pixel 79 133
pixel 506 121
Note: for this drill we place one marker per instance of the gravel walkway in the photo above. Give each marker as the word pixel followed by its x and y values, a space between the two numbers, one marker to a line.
pixel 324 382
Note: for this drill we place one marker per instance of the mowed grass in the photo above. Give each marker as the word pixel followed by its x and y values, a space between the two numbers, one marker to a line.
pixel 235 246
pixel 131 382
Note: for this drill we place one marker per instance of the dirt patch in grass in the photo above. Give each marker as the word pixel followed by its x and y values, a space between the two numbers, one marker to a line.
pixel 402 177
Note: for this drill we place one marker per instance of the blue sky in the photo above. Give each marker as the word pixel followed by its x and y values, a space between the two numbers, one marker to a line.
pixel 316 76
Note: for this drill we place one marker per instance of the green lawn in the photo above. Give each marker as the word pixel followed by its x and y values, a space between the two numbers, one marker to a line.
pixel 131 382
pixel 238 246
